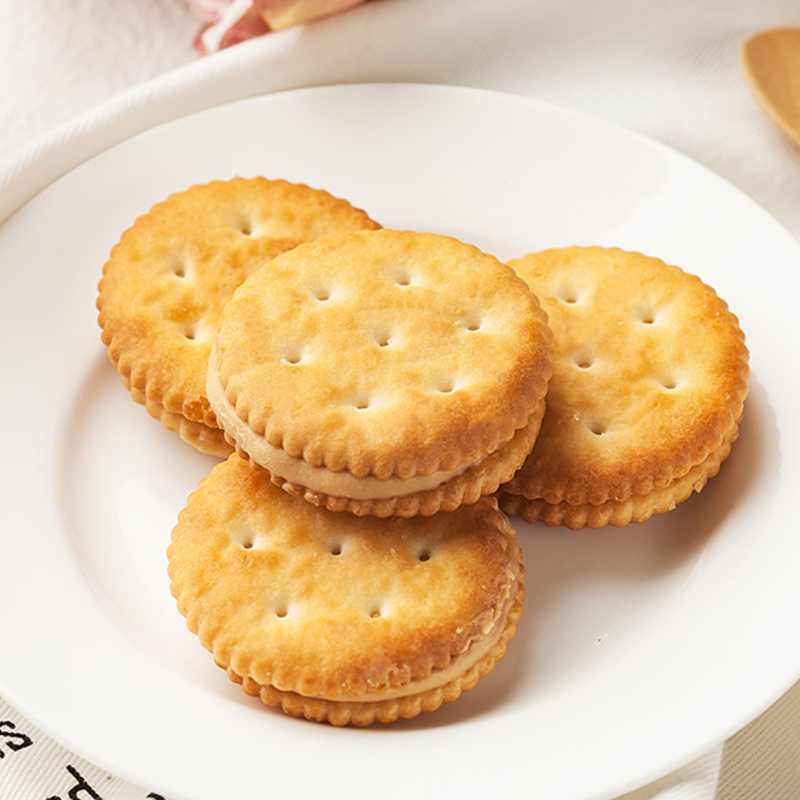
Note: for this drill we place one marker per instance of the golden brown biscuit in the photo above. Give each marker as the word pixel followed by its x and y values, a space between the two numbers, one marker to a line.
pixel 649 382
pixel 342 618
pixel 383 372
pixel 172 272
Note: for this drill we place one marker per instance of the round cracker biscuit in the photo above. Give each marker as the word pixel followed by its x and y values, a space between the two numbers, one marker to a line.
pixel 169 277
pixel 383 372
pixel 342 618
pixel 649 382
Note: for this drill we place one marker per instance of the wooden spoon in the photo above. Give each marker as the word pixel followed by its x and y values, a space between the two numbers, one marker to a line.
pixel 771 63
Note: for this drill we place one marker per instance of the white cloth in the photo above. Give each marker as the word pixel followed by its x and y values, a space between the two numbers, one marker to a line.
pixel 665 68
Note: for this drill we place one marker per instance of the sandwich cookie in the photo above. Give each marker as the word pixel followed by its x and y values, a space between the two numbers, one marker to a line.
pixel 383 372
pixel 340 618
pixel 169 277
pixel 649 383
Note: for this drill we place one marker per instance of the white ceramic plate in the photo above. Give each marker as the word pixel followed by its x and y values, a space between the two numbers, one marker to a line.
pixel 640 648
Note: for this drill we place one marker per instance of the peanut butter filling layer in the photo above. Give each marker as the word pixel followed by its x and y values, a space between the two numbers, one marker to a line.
pixel 318 479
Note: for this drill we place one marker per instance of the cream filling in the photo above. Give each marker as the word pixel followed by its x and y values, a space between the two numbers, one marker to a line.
pixel 460 665
pixel 296 470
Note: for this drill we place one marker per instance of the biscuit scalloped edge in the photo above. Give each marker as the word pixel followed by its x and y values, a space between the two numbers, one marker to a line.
pixel 619 513
pixel 463 489
pixel 360 714
pixel 144 387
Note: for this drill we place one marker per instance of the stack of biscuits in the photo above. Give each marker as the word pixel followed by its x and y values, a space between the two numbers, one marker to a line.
pixel 382 400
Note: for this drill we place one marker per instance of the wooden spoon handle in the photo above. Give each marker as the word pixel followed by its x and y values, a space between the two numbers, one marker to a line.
pixel 771 63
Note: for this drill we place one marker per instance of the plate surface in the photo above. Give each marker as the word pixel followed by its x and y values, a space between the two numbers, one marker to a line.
pixel 639 649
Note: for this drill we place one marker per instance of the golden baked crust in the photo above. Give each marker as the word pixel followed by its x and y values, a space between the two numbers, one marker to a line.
pixel 649 382
pixel 172 272
pixel 327 610
pixel 382 354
